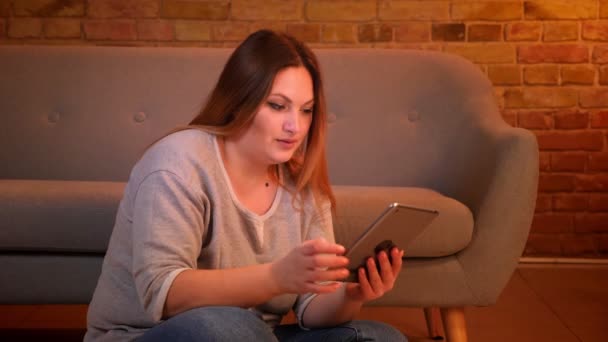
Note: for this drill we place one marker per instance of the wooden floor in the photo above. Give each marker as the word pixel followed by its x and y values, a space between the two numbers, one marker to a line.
pixel 540 303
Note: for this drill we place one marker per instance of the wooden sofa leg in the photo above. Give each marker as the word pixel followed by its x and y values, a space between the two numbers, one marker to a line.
pixel 454 324
pixel 433 322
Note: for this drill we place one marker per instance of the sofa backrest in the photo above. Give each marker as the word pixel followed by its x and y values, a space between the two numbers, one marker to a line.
pixel 397 117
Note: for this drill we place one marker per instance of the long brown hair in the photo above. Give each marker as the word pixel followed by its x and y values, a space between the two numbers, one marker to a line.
pixel 245 83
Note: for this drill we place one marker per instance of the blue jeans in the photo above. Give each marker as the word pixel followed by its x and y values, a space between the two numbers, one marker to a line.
pixel 221 323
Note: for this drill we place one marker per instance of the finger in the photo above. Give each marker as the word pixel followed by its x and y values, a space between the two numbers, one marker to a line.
pixel 386 270
pixel 323 287
pixel 330 275
pixel 366 287
pixel 322 246
pixel 374 278
pixel 327 261
pixel 397 261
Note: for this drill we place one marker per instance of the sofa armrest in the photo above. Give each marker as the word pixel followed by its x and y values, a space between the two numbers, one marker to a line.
pixel 57 216
pixel 503 214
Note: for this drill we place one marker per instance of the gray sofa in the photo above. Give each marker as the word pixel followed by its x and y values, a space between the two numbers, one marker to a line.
pixel 416 127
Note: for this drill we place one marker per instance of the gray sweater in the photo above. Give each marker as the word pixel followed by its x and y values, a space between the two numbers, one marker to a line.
pixel 179 212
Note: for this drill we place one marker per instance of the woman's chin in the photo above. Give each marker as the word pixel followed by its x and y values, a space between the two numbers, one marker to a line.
pixel 280 158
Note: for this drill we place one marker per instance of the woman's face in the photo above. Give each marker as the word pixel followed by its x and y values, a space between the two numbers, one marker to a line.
pixel 282 121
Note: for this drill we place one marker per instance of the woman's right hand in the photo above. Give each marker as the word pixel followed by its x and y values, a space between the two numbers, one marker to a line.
pixel 314 267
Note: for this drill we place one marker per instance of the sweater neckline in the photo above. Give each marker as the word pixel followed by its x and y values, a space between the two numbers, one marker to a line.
pixel 235 200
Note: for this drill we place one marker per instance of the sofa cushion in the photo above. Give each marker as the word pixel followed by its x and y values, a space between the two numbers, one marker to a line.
pixel 57 216
pixel 359 206
pixel 78 216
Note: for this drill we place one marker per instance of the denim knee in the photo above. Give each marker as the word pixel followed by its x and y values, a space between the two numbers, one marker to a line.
pixel 215 323
pixel 377 331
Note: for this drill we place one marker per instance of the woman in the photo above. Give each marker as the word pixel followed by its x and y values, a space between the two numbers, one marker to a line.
pixel 226 225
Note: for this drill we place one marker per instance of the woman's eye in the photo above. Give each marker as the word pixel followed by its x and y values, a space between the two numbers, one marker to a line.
pixel 307 111
pixel 276 106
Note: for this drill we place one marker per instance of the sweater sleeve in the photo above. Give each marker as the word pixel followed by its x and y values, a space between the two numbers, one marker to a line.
pixel 320 226
pixel 168 230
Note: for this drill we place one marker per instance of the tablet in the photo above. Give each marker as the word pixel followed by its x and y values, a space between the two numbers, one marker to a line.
pixel 397 226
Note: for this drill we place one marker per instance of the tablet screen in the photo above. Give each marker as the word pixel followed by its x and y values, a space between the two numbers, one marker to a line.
pixel 398 225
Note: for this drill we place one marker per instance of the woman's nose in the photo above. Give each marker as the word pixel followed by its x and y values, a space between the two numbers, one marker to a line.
pixel 291 123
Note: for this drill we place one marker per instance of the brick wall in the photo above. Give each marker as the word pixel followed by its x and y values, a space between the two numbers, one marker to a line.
pixel 548 60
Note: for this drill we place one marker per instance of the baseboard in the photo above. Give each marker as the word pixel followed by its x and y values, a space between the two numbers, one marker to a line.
pixel 559 260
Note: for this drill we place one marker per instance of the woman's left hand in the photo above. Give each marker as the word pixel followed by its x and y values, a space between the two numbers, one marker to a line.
pixel 373 284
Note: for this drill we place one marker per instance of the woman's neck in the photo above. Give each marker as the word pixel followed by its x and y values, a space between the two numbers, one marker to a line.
pixel 243 170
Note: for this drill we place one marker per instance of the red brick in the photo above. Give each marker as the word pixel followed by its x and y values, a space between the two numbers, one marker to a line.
pixel 123 9
pixel 490 53
pixel 562 53
pixel 204 10
pixel 603 79
pixel 598 202
pixel 591 223
pixel 560 9
pixel 578 246
pixel 541 75
pixel 543 244
pixel 375 33
pixel 556 183
pixel 448 32
pixel 594 97
pixel 414 10
pixel 596 31
pixel 484 32
pixel 570 202
pixel 560 31
pixel 120 29
pixel 305 32
pixel 49 8
pixel 229 32
pixel 545 97
pixel 413 32
pixel 5 8
pixel 191 30
pixel 339 33
pixel 155 30
pixel 504 74
pixel 24 27
pixel 535 120
pixel 578 74
pixel 62 28
pixel 570 140
pixel 571 120
pixel 568 162
pixel 552 223
pixel 600 54
pixel 603 8
pixel 277 26
pixel 592 182
pixel 602 239
pixel 323 10
pixel 499 95
pixel 544 203
pixel 510 119
pixel 523 31
pixel 493 10
pixel 266 9
pixel 599 119
pixel 598 162
pixel 544 161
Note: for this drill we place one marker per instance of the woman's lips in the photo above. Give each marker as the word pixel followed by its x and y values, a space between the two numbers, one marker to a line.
pixel 287 143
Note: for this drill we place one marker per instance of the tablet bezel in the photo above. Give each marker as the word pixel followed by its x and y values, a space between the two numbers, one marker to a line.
pixel 398 222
